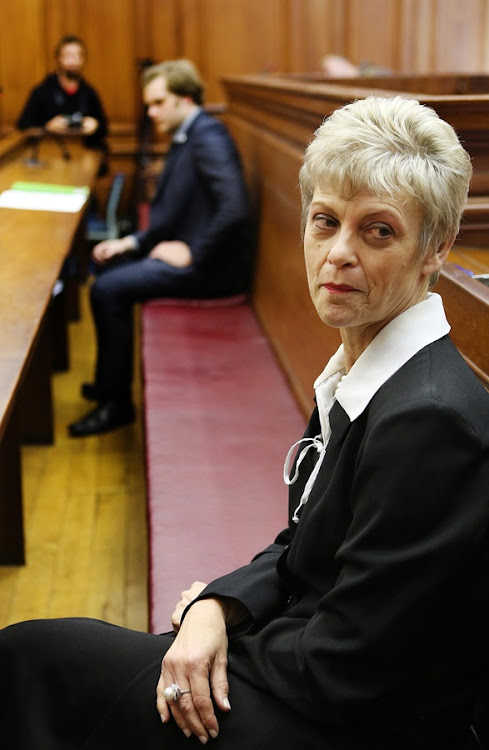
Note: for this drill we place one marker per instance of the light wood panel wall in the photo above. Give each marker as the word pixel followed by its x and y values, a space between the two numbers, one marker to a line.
pixel 227 37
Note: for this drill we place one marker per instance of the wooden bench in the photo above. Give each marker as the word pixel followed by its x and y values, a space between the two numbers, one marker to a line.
pixel 466 303
pixel 219 419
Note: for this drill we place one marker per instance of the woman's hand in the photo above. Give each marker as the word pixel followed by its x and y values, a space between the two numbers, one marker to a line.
pixel 187 596
pixel 197 660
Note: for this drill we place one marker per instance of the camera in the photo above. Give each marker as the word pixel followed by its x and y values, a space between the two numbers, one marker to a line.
pixel 74 120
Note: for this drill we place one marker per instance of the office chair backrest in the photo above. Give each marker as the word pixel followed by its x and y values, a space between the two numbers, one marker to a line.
pixel 112 224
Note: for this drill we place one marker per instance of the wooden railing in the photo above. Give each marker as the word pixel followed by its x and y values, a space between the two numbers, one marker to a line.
pixel 466 302
pixel 272 119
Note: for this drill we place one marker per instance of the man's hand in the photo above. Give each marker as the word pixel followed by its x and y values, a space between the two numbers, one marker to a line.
pixel 107 249
pixel 89 125
pixel 187 596
pixel 57 125
pixel 174 253
pixel 197 660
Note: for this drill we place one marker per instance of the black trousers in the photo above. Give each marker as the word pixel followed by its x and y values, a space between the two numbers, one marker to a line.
pixel 116 289
pixel 74 684
pixel 80 683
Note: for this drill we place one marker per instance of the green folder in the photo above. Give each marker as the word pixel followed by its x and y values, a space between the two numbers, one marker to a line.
pixel 46 187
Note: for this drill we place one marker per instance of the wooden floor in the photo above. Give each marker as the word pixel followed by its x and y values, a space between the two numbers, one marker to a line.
pixel 84 513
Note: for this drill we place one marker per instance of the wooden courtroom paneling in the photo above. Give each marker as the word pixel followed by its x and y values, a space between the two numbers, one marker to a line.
pixel 112 54
pixel 61 18
pixel 226 38
pixel 272 121
pixel 364 22
pixel 461 35
pixel 417 20
pixel 163 26
pixel 280 292
pixel 22 53
pixel 317 27
pixel 466 303
pixel 294 105
pixel 27 45
pixel 234 37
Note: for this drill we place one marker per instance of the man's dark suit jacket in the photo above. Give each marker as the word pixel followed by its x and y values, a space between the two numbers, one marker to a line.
pixel 370 617
pixel 201 200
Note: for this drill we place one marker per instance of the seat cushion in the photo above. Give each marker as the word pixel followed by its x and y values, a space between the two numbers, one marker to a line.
pixel 219 419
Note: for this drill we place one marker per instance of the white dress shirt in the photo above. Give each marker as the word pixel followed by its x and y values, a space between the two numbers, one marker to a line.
pixel 393 346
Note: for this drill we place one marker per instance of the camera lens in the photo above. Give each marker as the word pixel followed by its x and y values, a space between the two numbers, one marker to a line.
pixel 75 120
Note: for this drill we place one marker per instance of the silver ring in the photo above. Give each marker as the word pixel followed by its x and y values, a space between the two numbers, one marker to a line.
pixel 174 692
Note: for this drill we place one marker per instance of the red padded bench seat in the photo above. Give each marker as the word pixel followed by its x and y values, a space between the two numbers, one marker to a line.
pixel 219 419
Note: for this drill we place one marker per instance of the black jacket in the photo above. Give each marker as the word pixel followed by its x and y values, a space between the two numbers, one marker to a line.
pixel 49 99
pixel 371 615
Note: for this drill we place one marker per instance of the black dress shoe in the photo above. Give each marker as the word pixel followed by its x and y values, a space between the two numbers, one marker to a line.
pixel 104 418
pixel 90 391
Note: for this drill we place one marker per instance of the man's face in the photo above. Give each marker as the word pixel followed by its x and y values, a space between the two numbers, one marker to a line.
pixel 71 60
pixel 167 110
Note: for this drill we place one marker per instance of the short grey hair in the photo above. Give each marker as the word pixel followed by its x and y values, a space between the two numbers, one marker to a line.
pixel 397 147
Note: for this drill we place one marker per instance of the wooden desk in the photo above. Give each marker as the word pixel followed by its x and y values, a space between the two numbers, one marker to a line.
pixel 12 143
pixel 34 245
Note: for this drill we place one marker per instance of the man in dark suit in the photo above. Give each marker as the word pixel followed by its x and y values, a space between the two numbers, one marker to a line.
pixel 198 244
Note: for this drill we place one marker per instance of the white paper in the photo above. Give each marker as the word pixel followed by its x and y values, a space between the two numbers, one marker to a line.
pixel 31 200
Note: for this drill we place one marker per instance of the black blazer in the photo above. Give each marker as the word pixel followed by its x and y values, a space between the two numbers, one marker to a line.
pixel 48 99
pixel 371 614
pixel 201 199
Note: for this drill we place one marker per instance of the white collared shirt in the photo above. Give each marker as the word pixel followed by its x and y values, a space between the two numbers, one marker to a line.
pixel 180 134
pixel 393 346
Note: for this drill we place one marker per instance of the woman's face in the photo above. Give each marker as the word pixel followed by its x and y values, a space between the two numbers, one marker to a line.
pixel 362 260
